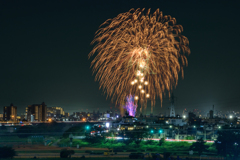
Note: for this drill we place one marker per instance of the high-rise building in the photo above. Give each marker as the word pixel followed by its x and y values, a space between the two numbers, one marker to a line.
pixel 55 111
pixel 10 113
pixel 1 117
pixel 66 114
pixel 211 114
pixel 37 112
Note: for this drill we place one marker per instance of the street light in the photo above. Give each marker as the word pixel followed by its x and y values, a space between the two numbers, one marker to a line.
pixel 230 116
pixel 184 116
pixel 170 126
pixel 87 127
pixel 194 126
pixel 219 127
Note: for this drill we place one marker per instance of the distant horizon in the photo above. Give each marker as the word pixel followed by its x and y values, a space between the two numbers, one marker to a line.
pixel 177 110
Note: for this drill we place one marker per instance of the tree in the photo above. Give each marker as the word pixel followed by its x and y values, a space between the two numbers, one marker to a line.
pixel 94 139
pixel 228 143
pixel 7 152
pixel 66 153
pixel 161 141
pixel 199 146
pixel 125 134
pixel 137 135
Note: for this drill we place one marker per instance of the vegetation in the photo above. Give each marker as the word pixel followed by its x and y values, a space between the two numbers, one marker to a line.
pixel 199 146
pixel 131 146
pixel 134 143
pixel 190 138
pixel 66 153
pixel 137 137
pixel 228 143
pixel 75 131
pixel 95 139
pixel 7 152
pixel 161 141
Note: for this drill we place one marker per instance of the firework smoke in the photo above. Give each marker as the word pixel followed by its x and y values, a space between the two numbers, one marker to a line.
pixel 130 106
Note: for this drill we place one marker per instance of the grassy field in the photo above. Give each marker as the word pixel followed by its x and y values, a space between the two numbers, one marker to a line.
pixel 149 146
pixel 176 148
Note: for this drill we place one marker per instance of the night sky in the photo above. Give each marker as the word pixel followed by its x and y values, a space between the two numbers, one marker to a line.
pixel 44 48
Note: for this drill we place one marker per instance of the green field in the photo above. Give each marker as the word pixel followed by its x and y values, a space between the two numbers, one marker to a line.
pixel 144 146
pixel 176 148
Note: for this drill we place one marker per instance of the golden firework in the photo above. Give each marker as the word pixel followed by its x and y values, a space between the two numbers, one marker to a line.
pixel 139 49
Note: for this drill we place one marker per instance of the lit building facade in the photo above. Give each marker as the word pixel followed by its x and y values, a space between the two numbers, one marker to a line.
pixel 10 113
pixel 55 112
pixel 37 112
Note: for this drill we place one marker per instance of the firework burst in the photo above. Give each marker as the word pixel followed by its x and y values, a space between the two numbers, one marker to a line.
pixel 140 53
pixel 130 106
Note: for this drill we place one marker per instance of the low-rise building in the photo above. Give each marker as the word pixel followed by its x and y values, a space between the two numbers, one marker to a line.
pixel 177 122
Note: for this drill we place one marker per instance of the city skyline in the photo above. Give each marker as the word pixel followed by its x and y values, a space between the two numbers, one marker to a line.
pixel 45 48
pixel 183 112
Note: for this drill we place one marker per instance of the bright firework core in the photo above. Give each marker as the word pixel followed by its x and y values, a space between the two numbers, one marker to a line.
pixel 130 106
pixel 139 52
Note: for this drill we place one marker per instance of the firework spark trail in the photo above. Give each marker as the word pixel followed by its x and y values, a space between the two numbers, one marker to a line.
pixel 136 48
pixel 130 106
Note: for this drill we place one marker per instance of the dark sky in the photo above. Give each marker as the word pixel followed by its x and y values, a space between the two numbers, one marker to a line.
pixel 44 48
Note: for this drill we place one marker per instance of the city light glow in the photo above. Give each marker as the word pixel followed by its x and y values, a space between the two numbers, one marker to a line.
pixel 156 139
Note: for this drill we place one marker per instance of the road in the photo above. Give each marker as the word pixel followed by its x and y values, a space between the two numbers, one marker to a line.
pixel 57 155
pixel 54 152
